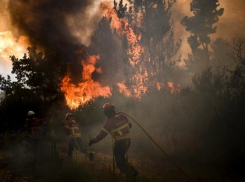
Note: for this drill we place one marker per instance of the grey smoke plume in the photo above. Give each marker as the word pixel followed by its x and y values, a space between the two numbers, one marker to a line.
pixel 45 23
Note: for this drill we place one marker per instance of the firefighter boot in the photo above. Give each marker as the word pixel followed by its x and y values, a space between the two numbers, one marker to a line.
pixel 90 155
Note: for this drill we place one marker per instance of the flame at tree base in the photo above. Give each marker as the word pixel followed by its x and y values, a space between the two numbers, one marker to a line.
pixel 87 90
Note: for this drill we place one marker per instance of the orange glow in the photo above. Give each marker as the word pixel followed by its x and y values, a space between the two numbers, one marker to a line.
pixel 124 90
pixel 140 87
pixel 86 91
pixel 10 45
pixel 134 52
pixel 123 28
pixel 140 78
pixel 139 81
pixel 159 85
pixel 173 89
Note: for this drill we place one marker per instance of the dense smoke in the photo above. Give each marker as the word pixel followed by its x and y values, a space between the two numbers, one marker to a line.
pixel 61 26
pixel 4 18
pixel 47 24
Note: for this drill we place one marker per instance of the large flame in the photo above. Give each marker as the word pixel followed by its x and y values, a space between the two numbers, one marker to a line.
pixel 124 90
pixel 138 82
pixel 134 53
pixel 122 26
pixel 135 50
pixel 87 90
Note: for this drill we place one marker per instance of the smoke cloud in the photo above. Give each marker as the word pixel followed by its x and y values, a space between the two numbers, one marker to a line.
pixel 231 24
pixel 4 16
pixel 65 26
pixel 52 25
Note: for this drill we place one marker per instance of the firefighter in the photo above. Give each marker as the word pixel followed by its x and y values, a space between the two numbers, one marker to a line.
pixel 34 127
pixel 75 140
pixel 118 126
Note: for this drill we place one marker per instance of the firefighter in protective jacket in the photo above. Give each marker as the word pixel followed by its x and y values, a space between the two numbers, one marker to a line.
pixel 118 126
pixel 72 130
pixel 34 127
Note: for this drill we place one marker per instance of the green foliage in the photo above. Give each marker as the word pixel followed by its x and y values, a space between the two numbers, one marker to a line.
pixel 38 80
pixel 8 86
pixel 38 71
pixel 16 103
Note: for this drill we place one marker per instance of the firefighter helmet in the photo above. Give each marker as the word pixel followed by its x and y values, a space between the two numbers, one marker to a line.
pixel 30 113
pixel 68 115
pixel 108 106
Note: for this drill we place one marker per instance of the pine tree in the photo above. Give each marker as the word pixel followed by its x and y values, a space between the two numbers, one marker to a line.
pixel 201 25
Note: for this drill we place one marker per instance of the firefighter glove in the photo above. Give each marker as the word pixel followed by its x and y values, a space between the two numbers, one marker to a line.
pixel 92 142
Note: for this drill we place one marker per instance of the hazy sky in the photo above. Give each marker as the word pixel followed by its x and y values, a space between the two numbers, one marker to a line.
pixel 231 24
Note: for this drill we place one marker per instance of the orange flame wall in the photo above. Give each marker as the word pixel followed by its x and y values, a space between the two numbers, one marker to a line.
pixel 88 89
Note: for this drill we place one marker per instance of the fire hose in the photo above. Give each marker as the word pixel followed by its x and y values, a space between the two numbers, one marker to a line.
pixel 159 146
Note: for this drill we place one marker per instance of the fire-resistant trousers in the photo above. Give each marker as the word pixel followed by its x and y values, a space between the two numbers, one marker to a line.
pixel 77 144
pixel 120 149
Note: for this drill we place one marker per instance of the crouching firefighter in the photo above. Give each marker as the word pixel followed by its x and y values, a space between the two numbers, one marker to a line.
pixel 34 127
pixel 118 126
pixel 75 140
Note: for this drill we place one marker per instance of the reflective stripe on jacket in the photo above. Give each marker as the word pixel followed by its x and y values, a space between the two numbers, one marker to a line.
pixel 118 126
pixel 72 129
pixel 119 133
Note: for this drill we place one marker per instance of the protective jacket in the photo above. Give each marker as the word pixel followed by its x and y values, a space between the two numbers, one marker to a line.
pixel 117 125
pixel 34 127
pixel 72 129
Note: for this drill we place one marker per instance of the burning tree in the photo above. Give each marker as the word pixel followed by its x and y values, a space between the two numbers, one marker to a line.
pixel 136 50
pixel 151 20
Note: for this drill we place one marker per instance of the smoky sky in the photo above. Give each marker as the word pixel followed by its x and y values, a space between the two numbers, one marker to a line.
pixel 231 23
pixel 44 22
